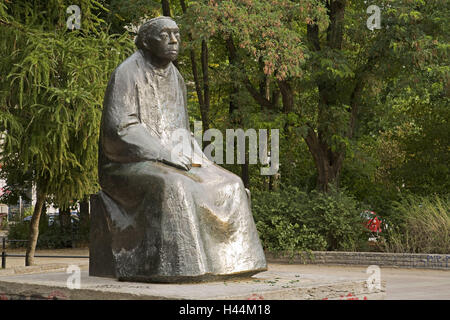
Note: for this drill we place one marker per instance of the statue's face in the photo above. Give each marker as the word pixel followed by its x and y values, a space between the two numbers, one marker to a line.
pixel 164 41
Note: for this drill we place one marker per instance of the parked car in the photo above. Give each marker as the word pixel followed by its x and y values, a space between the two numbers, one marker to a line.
pixel 74 216
pixel 54 217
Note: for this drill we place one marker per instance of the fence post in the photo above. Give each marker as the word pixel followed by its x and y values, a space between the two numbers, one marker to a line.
pixel 3 253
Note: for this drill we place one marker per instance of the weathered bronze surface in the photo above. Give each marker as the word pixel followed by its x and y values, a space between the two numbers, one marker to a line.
pixel 158 218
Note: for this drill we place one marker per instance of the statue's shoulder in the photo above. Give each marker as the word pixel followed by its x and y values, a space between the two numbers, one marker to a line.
pixel 179 76
pixel 128 70
pixel 177 72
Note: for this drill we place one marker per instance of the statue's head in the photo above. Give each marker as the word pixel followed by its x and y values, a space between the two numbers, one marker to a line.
pixel 160 37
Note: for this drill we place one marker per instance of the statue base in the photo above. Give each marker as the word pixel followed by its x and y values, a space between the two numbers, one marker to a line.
pixel 192 279
pixel 276 284
pixel 103 260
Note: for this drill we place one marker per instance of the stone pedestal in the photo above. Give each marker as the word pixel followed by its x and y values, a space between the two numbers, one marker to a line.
pixel 118 249
pixel 101 259
pixel 269 285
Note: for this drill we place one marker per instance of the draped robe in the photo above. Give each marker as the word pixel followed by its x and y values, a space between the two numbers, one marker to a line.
pixel 167 224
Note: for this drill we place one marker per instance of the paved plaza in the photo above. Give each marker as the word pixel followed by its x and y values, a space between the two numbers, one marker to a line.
pixel 401 283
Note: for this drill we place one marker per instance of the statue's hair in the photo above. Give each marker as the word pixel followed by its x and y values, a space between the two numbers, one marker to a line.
pixel 146 29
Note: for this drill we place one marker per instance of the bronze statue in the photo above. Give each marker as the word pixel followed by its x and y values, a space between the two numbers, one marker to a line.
pixel 158 218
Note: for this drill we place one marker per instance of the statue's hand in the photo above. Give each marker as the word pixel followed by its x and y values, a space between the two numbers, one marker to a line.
pixel 183 162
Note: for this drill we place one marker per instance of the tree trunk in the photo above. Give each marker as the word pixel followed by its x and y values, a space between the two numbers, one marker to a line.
pixel 198 88
pixel 203 95
pixel 235 120
pixel 328 163
pixel 34 228
pixel 232 104
pixel 257 95
pixel 84 215
pixel 335 32
pixel 204 109
pixel 165 8
pixel 64 219
pixel 245 174
pixel 328 174
pixel 235 89
pixel 287 96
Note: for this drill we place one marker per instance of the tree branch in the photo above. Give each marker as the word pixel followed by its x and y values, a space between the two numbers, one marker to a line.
pixel 287 95
pixel 206 99
pixel 312 34
pixel 165 8
pixel 335 32
pixel 260 99
pixel 198 88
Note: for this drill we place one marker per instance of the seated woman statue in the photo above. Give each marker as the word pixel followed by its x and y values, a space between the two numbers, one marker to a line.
pixel 158 218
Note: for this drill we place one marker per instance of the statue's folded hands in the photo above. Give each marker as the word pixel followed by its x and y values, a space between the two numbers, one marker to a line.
pixel 183 161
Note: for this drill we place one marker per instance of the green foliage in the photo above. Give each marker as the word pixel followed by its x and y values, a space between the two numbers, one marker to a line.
pixel 419 225
pixel 18 230
pixel 4 224
pixel 265 29
pixel 122 13
pixel 52 83
pixel 337 217
pixel 293 220
pixel 273 44
pixel 420 139
pixel 28 212
pixel 51 236
pixel 364 174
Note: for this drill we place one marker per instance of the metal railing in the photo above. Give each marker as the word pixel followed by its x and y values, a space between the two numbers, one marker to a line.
pixel 5 254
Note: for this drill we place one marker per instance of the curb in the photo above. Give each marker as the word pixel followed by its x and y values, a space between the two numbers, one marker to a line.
pixel 400 260
pixel 43 268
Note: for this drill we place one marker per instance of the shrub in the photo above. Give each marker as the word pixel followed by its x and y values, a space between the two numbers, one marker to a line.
pixel 281 235
pixel 292 220
pixel 28 211
pixel 419 225
pixel 50 236
pixel 4 224
pixel 336 216
pixel 18 230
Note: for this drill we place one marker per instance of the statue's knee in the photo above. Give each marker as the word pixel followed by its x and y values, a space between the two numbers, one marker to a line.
pixel 175 182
